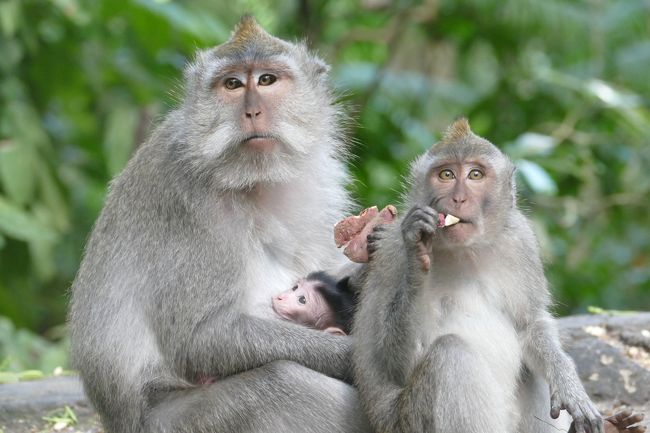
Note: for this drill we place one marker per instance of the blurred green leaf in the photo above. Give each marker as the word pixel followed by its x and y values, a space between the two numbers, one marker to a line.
pixel 9 16
pixel 17 172
pixel 119 137
pixel 536 177
pixel 17 223
pixel 72 10
pixel 200 25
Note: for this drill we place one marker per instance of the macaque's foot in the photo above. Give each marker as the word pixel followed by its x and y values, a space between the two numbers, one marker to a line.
pixel 418 227
pixel 623 422
pixel 353 231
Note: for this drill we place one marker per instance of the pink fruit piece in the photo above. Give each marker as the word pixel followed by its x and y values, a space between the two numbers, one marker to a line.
pixel 351 226
pixel 354 231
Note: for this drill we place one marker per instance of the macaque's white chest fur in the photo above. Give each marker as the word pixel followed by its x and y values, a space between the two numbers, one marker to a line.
pixel 457 302
pixel 289 237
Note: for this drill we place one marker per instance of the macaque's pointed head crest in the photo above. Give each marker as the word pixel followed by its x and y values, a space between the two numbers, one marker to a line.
pixel 248 38
pixel 457 130
pixel 455 133
pixel 247 30
pixel 459 143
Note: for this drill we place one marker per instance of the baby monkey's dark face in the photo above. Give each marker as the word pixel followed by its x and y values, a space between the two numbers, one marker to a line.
pixel 305 305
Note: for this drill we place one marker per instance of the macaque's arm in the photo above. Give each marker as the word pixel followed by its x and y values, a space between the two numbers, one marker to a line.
pixel 544 355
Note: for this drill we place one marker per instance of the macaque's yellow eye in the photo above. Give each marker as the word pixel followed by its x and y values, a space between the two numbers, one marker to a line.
pixel 475 174
pixel 446 174
pixel 302 300
pixel 232 83
pixel 267 79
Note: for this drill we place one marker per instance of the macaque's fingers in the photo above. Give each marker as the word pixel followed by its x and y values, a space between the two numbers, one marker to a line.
pixel 632 419
pixel 637 429
pixel 417 228
pixel 618 418
pixel 556 406
pixel 596 421
pixel 579 418
pixel 425 262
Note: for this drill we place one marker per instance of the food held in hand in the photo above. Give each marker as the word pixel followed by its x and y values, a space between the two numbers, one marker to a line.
pixel 352 232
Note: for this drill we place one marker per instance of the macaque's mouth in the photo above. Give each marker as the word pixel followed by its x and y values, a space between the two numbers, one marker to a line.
pixel 260 142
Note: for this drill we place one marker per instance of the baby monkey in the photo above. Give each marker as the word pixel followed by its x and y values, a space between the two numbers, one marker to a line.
pixel 319 302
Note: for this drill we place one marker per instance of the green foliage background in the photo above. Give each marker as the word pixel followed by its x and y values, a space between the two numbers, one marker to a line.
pixel 561 85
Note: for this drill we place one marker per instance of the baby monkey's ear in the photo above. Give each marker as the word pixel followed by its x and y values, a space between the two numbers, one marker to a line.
pixel 335 331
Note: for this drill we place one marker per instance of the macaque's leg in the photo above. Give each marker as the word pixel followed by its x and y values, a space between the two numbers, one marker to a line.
pixel 280 397
pixel 451 391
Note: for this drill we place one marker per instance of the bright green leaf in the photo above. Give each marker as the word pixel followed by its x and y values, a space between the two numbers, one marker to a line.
pixel 30 375
pixel 9 17
pixel 9 377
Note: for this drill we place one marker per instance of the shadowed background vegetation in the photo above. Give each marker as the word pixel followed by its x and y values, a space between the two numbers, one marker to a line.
pixel 561 85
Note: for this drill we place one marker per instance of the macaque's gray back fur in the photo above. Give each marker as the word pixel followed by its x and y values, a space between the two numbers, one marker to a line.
pixel 179 271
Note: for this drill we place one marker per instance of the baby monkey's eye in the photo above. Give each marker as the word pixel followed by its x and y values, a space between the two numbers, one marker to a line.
pixel 267 79
pixel 302 300
pixel 446 174
pixel 476 174
pixel 232 83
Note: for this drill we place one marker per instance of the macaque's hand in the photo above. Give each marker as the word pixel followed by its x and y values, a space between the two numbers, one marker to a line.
pixel 418 226
pixel 623 421
pixel 574 399
pixel 353 231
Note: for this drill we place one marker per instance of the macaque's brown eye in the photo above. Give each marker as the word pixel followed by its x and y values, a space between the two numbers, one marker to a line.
pixel 446 175
pixel 294 288
pixel 232 83
pixel 267 79
pixel 476 174
pixel 302 300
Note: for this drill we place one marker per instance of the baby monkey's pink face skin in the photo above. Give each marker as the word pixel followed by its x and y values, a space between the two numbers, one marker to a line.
pixel 303 304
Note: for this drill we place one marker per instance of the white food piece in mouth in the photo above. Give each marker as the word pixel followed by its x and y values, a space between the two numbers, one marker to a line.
pixel 450 220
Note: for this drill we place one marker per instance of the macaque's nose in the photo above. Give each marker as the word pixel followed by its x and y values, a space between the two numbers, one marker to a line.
pixel 281 297
pixel 459 199
pixel 253 112
pixel 252 104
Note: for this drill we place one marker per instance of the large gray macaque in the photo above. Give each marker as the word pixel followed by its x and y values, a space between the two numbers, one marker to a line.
pixel 230 201
pixel 453 333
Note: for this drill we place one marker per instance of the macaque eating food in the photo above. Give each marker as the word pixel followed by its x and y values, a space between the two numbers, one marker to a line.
pixel 319 302
pixel 352 232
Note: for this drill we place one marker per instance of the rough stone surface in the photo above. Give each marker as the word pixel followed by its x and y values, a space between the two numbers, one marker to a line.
pixel 612 354
pixel 23 406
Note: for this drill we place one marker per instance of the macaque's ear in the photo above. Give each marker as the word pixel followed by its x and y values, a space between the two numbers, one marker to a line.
pixel 335 331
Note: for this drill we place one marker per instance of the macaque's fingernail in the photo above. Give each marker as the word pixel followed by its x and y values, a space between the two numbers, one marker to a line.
pixel 450 220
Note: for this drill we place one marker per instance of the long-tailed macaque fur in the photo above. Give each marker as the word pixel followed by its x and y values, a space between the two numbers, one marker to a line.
pixel 468 345
pixel 230 201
